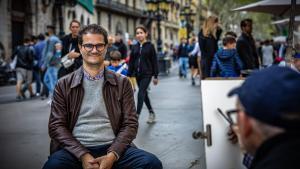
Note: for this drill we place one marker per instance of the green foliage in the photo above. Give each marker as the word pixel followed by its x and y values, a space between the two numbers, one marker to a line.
pixel 262 27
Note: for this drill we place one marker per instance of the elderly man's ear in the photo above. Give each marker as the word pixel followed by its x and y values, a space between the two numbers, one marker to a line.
pixel 245 125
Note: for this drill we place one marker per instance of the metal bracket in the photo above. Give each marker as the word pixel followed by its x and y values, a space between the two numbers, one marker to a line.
pixel 204 135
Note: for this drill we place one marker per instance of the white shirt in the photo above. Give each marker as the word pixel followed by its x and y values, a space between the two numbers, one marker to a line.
pixel 267 55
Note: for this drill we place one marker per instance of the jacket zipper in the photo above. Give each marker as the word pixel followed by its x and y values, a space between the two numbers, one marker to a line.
pixel 139 61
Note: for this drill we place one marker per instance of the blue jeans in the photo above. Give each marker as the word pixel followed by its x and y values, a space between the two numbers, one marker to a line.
pixel 133 158
pixel 37 77
pixel 50 78
pixel 183 65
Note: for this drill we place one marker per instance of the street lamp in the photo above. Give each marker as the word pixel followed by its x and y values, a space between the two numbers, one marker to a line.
pixel 187 15
pixel 158 9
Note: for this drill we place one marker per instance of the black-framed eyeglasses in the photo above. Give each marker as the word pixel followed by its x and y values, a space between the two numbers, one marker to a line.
pixel 89 47
pixel 230 116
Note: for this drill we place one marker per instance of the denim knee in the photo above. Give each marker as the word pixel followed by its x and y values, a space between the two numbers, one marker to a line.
pixel 152 162
pixel 52 164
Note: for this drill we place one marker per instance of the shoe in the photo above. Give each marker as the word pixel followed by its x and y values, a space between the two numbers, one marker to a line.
pixel 193 82
pixel 151 118
pixel 19 98
pixel 43 97
pixel 37 94
pixel 49 102
pixel 32 96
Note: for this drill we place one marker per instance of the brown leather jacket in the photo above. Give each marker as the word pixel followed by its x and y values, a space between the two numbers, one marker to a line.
pixel 65 107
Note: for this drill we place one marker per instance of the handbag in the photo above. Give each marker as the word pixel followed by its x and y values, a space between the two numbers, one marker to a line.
pixel 13 63
pixel 66 61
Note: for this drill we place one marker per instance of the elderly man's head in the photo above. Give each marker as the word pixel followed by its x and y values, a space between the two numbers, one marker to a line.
pixel 268 104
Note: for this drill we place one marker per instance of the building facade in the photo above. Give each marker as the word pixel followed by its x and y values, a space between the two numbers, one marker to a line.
pixel 20 19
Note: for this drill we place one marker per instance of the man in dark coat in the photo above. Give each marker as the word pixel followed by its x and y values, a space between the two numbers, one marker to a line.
pixel 246 46
pixel 121 46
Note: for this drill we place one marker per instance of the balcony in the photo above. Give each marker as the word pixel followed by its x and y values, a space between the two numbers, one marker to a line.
pixel 119 8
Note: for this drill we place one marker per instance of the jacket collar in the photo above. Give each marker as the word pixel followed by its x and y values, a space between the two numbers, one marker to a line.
pixel 109 77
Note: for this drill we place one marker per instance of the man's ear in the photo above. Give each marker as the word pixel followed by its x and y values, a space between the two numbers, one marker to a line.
pixel 246 127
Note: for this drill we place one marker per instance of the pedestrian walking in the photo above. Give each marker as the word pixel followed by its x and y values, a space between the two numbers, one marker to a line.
pixel 51 40
pixel 53 64
pixel 37 72
pixel 194 52
pixel 24 66
pixel 71 50
pixel 246 46
pixel 143 65
pixel 183 55
pixel 208 41
pixel 195 55
pixel 93 119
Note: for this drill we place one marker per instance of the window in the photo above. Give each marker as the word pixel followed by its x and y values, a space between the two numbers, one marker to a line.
pixel 99 18
pixel 81 19
pixel 109 22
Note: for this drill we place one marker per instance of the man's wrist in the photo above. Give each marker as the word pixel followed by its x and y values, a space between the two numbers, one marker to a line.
pixel 84 156
pixel 113 155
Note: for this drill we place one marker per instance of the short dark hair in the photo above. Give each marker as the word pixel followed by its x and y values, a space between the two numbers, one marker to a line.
pixel 141 27
pixel 244 22
pixel 74 21
pixel 115 55
pixel 93 29
pixel 41 37
pixel 228 40
pixel 26 40
pixel 230 33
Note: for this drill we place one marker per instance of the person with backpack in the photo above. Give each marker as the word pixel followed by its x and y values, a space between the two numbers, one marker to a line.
pixel 53 64
pixel 24 68
pixel 226 62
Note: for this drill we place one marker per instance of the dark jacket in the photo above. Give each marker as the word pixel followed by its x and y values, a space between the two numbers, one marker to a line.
pixel 208 45
pixel 183 50
pixel 226 63
pixel 122 48
pixel 279 152
pixel 67 99
pixel 110 49
pixel 143 61
pixel 247 51
pixel 25 57
pixel 71 43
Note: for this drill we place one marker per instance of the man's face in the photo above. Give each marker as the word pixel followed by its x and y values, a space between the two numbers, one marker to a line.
pixel 74 28
pixel 115 63
pixel 117 38
pixel 110 40
pixel 93 49
pixel 248 28
pixel 297 63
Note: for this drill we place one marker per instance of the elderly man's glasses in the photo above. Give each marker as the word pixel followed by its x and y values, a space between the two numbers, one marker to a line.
pixel 89 47
pixel 230 116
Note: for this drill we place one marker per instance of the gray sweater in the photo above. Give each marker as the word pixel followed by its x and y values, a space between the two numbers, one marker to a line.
pixel 93 127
